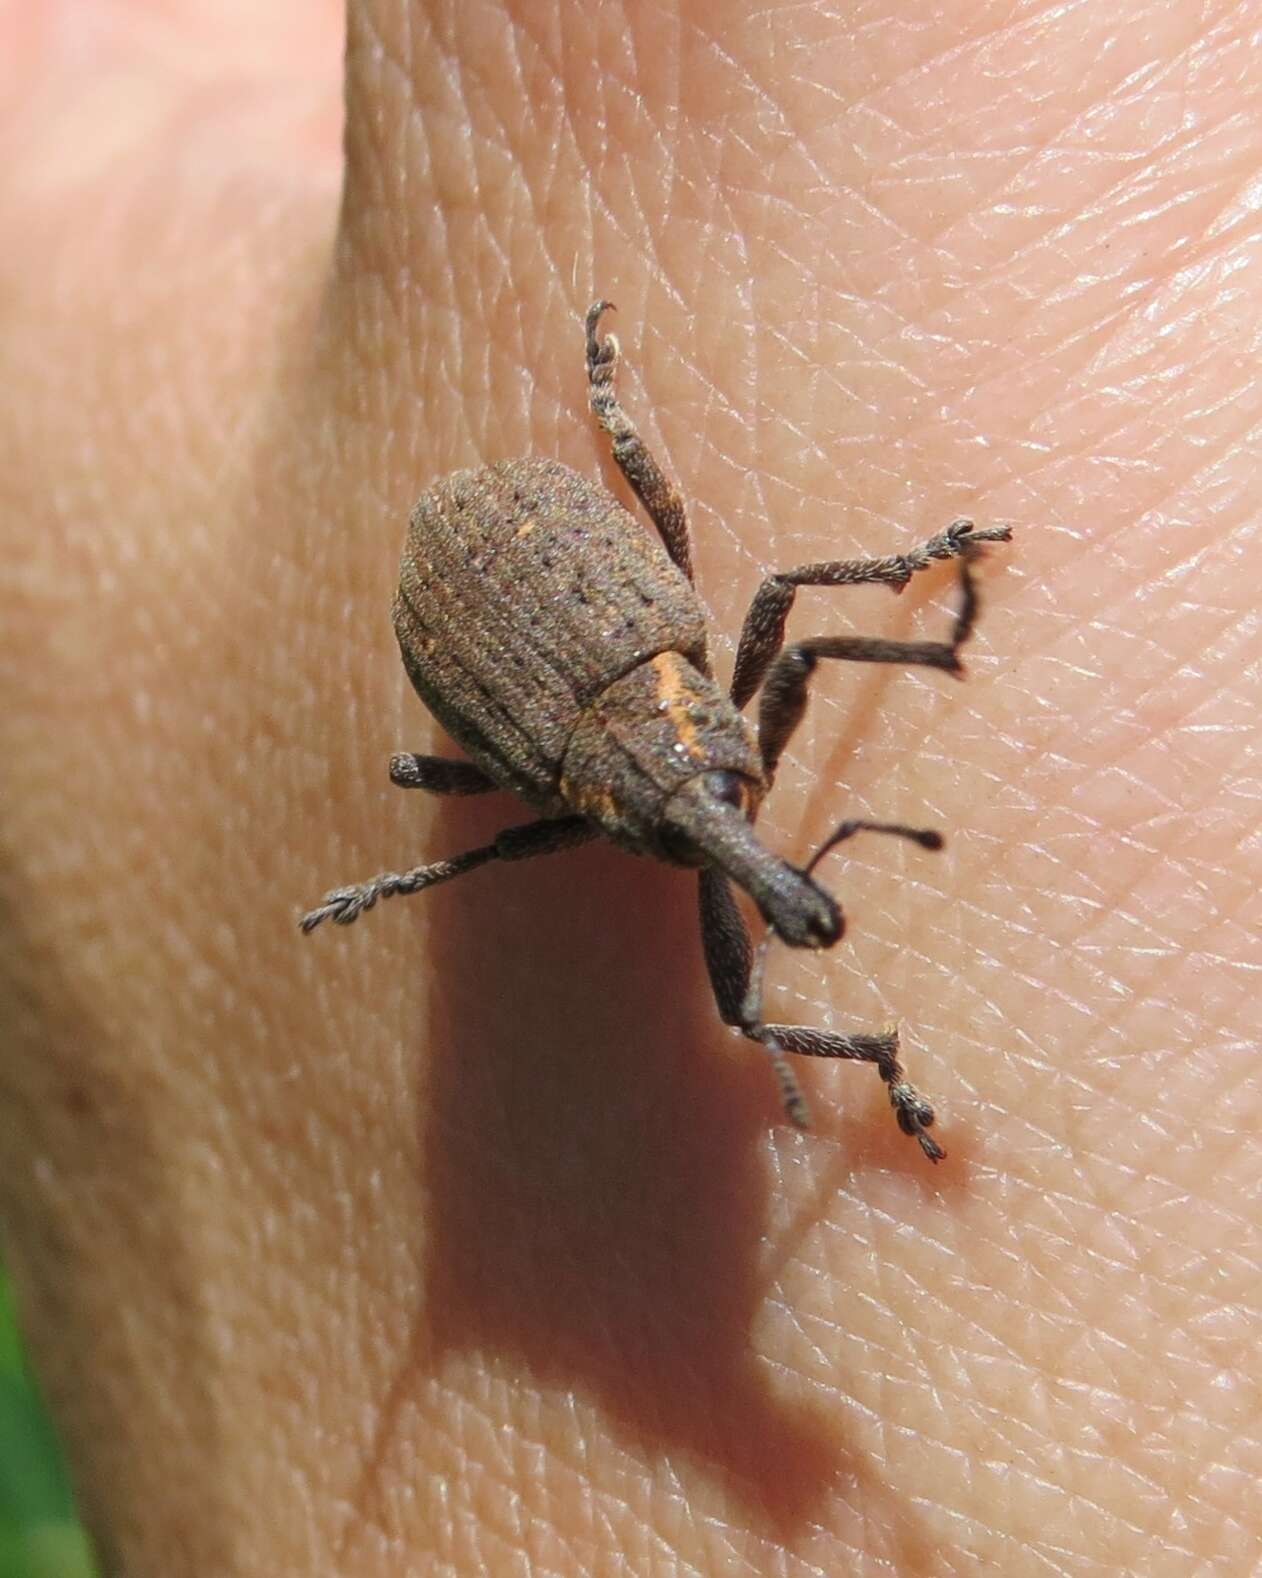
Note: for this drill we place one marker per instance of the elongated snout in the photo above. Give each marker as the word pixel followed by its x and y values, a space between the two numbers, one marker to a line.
pixel 798 910
pixel 713 824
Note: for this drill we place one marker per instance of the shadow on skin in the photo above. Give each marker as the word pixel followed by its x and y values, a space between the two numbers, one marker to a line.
pixel 594 1194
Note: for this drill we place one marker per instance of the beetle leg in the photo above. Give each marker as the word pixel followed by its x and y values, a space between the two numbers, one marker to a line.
pixel 762 634
pixel 545 837
pixel 913 1112
pixel 729 953
pixel 736 977
pixel 729 957
pixel 652 487
pixel 915 1115
pixel 784 692
pixel 438 774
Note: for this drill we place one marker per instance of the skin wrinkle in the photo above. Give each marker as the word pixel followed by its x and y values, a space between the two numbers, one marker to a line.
pixel 1032 300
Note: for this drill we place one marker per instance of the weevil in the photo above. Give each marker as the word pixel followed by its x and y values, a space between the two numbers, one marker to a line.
pixel 566 651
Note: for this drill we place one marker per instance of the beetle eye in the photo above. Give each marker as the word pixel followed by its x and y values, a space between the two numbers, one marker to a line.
pixel 720 783
pixel 727 786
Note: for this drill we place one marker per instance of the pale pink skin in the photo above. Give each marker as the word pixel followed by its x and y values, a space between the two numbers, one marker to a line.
pixel 466 1239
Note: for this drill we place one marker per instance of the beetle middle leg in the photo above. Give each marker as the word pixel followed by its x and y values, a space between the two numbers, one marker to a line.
pixel 652 487
pixel 546 837
pixel 784 692
pixel 762 634
pixel 736 978
pixel 439 774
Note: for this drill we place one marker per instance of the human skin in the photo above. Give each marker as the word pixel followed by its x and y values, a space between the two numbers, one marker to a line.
pixel 465 1239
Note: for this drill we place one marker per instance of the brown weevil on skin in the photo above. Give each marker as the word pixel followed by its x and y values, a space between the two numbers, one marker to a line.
pixel 567 653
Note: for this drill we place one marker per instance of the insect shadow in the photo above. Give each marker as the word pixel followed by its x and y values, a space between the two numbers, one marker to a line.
pixel 592 1192
pixel 594 1170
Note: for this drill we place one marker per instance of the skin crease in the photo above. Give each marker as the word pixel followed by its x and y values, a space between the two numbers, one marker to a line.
pixel 466 1240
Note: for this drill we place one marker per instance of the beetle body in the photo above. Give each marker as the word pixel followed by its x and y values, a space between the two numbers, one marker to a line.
pixel 566 650
pixel 525 594
pixel 559 644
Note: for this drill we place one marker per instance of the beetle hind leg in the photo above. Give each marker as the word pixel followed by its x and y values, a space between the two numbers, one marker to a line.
pixel 651 485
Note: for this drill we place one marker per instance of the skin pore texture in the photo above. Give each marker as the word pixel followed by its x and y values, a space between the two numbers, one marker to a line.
pixel 467 1240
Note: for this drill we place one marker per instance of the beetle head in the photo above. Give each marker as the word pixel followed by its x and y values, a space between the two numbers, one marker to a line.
pixel 707 822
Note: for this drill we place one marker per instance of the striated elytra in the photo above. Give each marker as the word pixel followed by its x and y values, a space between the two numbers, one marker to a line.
pixel 565 650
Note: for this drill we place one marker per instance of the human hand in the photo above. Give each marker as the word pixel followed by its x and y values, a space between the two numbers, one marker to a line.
pixel 465 1240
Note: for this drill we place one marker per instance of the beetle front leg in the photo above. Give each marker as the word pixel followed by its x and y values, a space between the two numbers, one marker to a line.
pixel 652 487
pixel 913 1112
pixel 546 837
pixel 729 957
pixel 735 978
pixel 762 634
